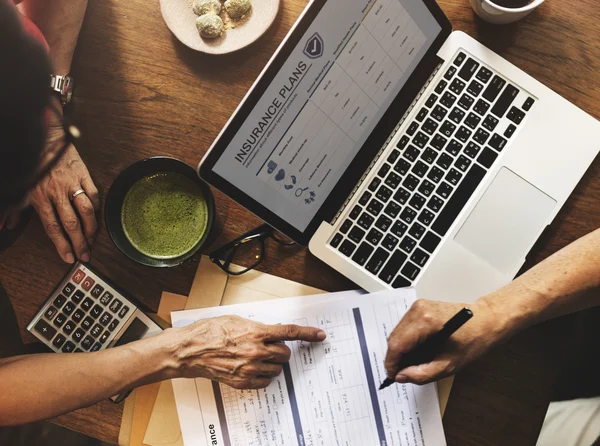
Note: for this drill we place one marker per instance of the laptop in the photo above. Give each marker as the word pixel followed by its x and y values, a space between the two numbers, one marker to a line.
pixel 403 154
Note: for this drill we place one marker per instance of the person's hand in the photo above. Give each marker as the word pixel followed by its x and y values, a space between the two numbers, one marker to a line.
pixel 428 317
pixel 238 352
pixel 69 222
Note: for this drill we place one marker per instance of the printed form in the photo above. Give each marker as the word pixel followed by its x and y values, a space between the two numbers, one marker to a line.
pixel 328 393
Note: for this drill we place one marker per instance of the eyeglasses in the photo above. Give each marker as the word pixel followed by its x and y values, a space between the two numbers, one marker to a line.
pixel 48 160
pixel 247 251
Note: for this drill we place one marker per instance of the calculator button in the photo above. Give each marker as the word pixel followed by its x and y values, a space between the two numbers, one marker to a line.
pixel 59 301
pixel 59 340
pixel 114 324
pixel 106 298
pixel 123 311
pixel 116 305
pixel 87 304
pixel 43 328
pixel 97 291
pixel 60 319
pixel 68 347
pixel 87 323
pixel 78 276
pixel 78 335
pixel 87 343
pixel 96 311
pixel 105 319
pixel 69 308
pixel 96 331
pixel 78 315
pixel 87 284
pixel 68 289
pixel 78 350
pixel 104 337
pixel 50 312
pixel 97 346
pixel 69 327
pixel 77 296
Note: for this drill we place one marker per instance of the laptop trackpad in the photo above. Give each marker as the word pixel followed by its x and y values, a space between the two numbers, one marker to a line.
pixel 506 221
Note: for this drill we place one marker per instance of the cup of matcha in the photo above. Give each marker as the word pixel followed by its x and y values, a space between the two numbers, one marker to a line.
pixel 159 212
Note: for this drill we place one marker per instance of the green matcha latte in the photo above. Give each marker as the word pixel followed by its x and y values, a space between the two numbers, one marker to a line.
pixel 164 215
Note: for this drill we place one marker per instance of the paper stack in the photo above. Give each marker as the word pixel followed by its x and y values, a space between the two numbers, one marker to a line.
pixel 150 416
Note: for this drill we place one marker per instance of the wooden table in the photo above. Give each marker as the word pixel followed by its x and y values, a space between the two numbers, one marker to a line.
pixel 141 93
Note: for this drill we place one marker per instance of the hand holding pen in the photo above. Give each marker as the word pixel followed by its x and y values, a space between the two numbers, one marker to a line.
pixel 421 351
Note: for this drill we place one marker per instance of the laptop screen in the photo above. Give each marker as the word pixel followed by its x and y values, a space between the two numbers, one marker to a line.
pixel 321 106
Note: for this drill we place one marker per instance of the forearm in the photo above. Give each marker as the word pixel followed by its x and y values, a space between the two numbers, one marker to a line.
pixel 36 387
pixel 60 22
pixel 561 284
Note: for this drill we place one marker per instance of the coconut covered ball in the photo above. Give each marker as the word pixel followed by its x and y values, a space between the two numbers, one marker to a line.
pixel 210 25
pixel 237 8
pixel 202 7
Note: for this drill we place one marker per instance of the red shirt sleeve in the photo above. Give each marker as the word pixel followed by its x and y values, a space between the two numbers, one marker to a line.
pixel 33 30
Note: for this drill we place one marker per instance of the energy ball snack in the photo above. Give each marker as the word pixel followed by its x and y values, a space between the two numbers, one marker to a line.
pixel 237 8
pixel 210 26
pixel 218 16
pixel 201 7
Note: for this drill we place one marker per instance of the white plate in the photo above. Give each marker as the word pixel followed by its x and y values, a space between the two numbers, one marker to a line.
pixel 181 20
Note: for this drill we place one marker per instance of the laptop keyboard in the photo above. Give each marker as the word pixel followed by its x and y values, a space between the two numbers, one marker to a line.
pixel 436 166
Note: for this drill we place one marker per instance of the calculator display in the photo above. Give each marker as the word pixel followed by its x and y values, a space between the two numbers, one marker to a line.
pixel 136 331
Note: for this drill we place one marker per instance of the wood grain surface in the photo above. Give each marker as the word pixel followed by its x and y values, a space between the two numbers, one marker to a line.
pixel 140 92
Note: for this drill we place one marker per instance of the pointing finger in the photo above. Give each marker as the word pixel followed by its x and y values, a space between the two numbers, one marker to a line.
pixel 291 332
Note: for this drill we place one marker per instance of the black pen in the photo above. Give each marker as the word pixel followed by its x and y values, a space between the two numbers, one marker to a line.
pixel 428 350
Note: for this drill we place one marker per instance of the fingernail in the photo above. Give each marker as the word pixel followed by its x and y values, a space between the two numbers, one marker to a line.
pixel 402 379
pixel 321 335
pixel 69 258
pixel 85 257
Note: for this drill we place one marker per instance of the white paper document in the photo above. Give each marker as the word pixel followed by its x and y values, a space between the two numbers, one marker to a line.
pixel 328 393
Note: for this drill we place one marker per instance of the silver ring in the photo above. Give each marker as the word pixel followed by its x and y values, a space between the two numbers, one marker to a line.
pixel 79 192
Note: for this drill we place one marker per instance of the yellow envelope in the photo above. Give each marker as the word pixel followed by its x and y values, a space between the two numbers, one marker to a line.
pixel 139 405
pixel 163 428
pixel 127 420
pixel 145 397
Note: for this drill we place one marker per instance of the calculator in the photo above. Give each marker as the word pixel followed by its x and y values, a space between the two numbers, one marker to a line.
pixel 86 314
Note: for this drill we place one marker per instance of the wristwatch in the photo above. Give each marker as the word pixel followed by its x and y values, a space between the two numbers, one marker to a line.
pixel 63 85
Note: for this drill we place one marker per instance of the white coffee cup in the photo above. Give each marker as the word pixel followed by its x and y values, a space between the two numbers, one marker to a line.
pixel 490 12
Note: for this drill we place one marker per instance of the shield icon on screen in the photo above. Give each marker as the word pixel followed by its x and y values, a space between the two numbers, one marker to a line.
pixel 314 47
